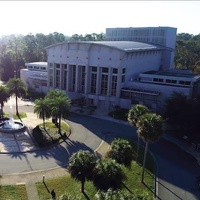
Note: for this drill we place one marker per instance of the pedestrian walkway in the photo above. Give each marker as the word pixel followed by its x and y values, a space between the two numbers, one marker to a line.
pixel 20 141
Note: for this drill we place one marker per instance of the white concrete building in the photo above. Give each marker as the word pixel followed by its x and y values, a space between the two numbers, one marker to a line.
pixel 110 73
pixel 35 76
pixel 164 36
pixel 98 70
pixel 153 87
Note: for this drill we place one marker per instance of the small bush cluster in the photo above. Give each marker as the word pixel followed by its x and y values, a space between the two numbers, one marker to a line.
pixel 44 138
pixel 119 113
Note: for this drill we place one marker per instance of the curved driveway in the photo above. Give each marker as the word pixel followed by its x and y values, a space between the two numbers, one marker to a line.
pixel 176 169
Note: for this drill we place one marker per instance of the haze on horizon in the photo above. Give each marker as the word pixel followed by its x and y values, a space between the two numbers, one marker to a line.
pixel 86 17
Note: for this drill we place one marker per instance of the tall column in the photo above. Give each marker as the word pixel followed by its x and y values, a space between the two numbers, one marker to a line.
pixel 87 79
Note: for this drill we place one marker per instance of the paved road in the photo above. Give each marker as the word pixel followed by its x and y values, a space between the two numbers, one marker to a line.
pixel 176 170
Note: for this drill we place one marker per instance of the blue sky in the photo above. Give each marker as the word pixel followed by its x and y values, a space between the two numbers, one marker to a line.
pixel 81 17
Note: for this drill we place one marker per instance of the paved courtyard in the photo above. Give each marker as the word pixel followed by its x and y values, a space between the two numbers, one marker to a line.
pixel 16 142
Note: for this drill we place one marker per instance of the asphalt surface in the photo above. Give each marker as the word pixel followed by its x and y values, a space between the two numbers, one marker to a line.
pixel 176 169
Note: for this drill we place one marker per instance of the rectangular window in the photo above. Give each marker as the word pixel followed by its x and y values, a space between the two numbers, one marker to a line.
pixel 82 78
pixel 51 77
pixel 64 66
pixel 51 65
pixel 104 70
pixel 115 71
pixel 123 70
pixel 158 80
pixel 104 84
pixel 57 78
pixel 94 69
pixel 171 81
pixel 93 83
pixel 57 66
pixel 184 82
pixel 64 80
pixel 114 86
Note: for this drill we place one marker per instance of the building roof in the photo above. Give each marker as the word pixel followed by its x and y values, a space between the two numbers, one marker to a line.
pixel 37 63
pixel 127 45
pixel 120 45
pixel 179 73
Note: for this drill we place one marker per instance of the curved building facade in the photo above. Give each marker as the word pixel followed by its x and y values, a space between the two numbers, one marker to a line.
pixel 96 72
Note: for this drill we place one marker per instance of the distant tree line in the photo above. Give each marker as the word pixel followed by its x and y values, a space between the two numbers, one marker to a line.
pixel 187 54
pixel 16 50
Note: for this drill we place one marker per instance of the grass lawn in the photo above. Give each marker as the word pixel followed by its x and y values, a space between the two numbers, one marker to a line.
pixel 67 184
pixel 22 115
pixel 13 192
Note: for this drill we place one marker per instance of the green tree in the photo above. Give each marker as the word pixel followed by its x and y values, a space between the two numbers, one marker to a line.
pixel 42 109
pixel 55 93
pixel 134 115
pixel 121 151
pixel 60 107
pixel 4 95
pixel 81 165
pixel 177 109
pixel 17 87
pixel 150 129
pixel 108 174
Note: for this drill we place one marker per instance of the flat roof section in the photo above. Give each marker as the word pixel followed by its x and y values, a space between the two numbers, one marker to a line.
pixel 37 63
pixel 163 73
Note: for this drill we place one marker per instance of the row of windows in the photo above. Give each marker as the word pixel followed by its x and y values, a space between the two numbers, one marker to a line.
pixel 170 81
pixel 93 68
pixel 36 67
pixel 143 53
pixel 133 32
pixel 81 82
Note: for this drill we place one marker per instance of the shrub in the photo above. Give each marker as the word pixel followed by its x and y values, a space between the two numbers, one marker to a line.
pixel 121 151
pixel 38 136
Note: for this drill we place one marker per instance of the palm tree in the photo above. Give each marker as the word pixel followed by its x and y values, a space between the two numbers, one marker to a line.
pixel 17 87
pixel 60 107
pixel 42 109
pixel 55 93
pixel 81 165
pixel 134 115
pixel 121 151
pixel 108 174
pixel 149 129
pixel 4 95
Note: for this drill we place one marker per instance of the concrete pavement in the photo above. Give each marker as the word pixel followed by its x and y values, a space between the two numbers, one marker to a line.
pixel 23 142
pixel 30 178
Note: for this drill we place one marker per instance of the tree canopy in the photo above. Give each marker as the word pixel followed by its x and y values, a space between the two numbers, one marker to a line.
pixel 16 50
pixel 187 52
